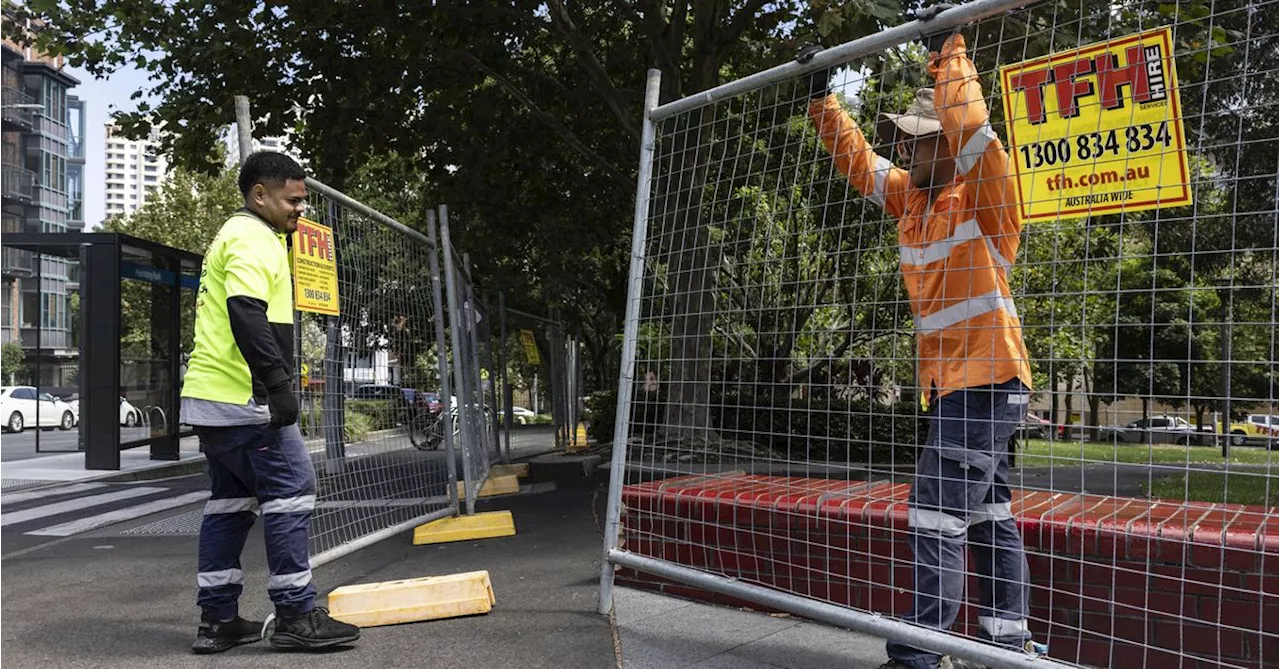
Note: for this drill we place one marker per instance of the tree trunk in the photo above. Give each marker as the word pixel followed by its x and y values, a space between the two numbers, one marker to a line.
pixel 679 193
pixel 1092 399
pixel 1054 416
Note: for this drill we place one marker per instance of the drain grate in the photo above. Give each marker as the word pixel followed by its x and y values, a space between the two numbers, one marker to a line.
pixel 182 524
pixel 18 484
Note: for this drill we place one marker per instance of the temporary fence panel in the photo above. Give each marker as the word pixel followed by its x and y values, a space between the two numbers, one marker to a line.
pixel 530 372
pixel 474 429
pixel 364 333
pixel 1111 240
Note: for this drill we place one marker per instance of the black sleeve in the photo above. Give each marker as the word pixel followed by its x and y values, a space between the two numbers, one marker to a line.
pixel 254 338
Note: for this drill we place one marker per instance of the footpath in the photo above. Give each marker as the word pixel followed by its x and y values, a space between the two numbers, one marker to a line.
pixel 118 597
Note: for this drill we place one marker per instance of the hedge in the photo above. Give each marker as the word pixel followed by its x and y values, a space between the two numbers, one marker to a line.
pixel 815 430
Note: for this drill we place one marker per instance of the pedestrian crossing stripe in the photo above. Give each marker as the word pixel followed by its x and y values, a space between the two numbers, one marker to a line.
pixel 44 511
pixel 119 515
pixel 20 497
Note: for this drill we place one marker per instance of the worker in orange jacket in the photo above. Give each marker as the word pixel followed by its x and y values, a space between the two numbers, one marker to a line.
pixel 958 231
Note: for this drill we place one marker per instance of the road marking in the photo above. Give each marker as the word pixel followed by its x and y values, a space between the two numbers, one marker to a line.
pixel 119 515
pixel 18 497
pixel 73 505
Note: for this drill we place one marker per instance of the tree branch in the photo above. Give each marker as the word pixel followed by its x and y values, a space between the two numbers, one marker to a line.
pixel 552 122
pixel 740 22
pixel 582 46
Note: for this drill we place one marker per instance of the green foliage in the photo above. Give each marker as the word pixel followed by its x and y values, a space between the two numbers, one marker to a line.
pixel 831 430
pixel 186 212
pixel 382 414
pixel 13 363
pixel 602 406
pixel 356 426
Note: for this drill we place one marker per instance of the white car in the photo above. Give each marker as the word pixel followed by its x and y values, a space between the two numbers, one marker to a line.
pixel 24 406
pixel 129 414
pixel 522 416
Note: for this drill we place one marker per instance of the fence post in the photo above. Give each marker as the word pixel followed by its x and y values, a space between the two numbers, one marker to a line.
pixel 507 414
pixel 442 364
pixel 630 332
pixel 459 355
pixel 332 409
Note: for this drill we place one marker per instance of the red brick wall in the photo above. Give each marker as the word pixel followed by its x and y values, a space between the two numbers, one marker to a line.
pixel 1116 582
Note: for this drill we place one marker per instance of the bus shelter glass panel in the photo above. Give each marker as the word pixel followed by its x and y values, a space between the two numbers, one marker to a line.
pixel 147 337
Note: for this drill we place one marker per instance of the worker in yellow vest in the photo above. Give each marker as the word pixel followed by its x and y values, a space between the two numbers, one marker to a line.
pixel 238 394
pixel 958 230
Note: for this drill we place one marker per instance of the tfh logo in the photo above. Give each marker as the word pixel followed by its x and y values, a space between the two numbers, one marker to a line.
pixel 1142 72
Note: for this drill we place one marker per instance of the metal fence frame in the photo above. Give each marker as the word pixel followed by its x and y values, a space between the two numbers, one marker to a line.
pixel 335 457
pixel 614 556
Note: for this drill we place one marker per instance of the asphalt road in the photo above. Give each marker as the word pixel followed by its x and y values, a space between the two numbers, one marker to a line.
pixel 106 599
pixel 23 445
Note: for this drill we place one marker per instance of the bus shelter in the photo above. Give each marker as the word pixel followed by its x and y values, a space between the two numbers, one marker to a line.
pixel 133 326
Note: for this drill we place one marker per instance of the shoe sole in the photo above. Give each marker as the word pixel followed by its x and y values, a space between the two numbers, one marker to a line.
pixel 223 644
pixel 295 643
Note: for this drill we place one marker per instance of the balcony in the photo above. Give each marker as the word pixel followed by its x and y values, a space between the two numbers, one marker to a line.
pixel 15 262
pixel 17 184
pixel 47 338
pixel 14 117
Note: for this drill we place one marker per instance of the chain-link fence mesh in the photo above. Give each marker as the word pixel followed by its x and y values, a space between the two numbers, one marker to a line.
pixel 369 374
pixel 997 359
pixel 533 373
pixel 474 413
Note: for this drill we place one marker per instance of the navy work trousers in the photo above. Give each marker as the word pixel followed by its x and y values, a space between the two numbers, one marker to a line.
pixel 961 496
pixel 256 469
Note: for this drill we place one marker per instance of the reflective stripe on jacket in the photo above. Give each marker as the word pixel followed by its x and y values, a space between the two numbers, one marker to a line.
pixel 954 253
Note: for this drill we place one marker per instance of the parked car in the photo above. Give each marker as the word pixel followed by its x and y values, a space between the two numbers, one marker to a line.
pixel 1034 427
pixel 522 416
pixel 24 406
pixel 400 396
pixel 130 416
pixel 1155 430
pixel 432 402
pixel 1257 426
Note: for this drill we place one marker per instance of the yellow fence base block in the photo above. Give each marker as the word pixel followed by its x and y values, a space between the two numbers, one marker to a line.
pixel 580 440
pixel 502 484
pixel 413 600
pixel 464 528
pixel 520 470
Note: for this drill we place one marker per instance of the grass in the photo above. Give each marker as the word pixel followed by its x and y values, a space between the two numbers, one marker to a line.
pixel 1234 488
pixel 1042 453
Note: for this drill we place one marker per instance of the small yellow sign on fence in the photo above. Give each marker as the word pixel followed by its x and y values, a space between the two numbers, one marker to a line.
pixel 530 347
pixel 1098 129
pixel 315 269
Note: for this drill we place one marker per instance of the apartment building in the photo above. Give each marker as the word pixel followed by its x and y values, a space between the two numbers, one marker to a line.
pixel 43 178
pixel 134 171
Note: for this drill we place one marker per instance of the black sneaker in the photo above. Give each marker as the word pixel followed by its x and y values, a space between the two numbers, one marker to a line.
pixel 215 637
pixel 311 631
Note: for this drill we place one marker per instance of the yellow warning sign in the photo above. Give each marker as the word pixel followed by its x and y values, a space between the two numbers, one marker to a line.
pixel 530 347
pixel 1098 129
pixel 315 269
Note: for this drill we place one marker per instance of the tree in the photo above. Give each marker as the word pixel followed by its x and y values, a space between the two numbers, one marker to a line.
pixel 13 363
pixel 186 212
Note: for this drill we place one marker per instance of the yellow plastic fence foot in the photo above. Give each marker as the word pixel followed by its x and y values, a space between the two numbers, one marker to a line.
pixel 464 528
pixel 580 439
pixel 413 600
pixel 519 469
pixel 502 484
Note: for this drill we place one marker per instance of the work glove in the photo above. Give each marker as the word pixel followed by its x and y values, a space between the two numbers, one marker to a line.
pixel 283 404
pixel 820 81
pixel 933 40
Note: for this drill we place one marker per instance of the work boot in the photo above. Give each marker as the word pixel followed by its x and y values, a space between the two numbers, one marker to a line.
pixel 312 630
pixel 215 636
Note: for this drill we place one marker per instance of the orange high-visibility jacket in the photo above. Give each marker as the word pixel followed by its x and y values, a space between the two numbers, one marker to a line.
pixel 955 253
